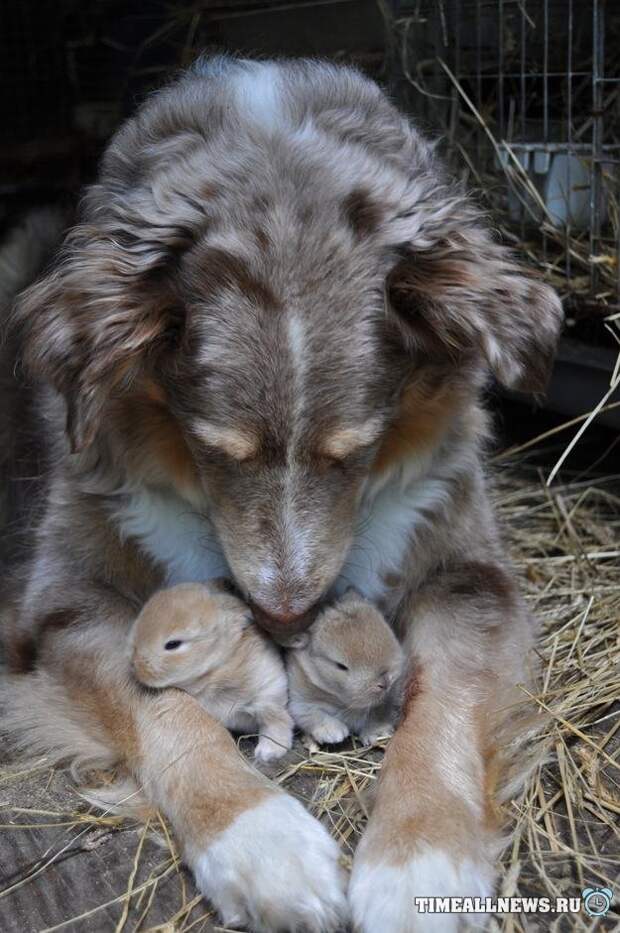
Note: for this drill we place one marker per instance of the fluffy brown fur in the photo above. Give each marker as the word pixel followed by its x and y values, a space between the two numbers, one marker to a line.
pixel 344 675
pixel 260 354
pixel 204 641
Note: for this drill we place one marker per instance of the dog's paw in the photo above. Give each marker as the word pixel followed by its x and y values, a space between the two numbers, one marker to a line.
pixel 329 731
pixel 275 868
pixel 383 896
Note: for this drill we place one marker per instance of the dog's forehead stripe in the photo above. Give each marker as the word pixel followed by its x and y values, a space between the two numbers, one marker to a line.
pixel 257 92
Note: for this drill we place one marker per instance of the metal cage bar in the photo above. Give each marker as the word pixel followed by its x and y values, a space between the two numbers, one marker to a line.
pixel 539 79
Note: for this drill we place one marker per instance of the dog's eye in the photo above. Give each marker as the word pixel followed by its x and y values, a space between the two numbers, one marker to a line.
pixel 344 464
pixel 333 461
pixel 173 644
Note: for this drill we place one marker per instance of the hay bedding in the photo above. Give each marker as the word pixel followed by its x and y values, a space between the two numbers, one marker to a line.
pixel 65 866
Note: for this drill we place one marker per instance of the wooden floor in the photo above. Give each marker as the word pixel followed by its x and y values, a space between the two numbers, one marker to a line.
pixel 51 871
pixel 54 868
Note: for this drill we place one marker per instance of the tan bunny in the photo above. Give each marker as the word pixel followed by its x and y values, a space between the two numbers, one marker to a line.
pixel 203 640
pixel 344 674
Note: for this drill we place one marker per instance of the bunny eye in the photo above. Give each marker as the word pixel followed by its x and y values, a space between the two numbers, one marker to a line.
pixel 173 644
pixel 341 666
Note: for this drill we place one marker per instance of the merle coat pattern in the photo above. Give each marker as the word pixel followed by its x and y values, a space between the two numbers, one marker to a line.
pixel 260 355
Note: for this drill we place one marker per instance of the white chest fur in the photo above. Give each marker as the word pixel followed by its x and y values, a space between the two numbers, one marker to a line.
pixel 173 534
pixel 185 542
pixel 386 528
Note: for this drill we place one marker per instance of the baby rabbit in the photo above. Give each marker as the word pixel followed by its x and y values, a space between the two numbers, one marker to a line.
pixel 344 674
pixel 203 640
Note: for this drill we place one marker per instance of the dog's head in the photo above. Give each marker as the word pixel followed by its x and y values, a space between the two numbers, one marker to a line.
pixel 273 294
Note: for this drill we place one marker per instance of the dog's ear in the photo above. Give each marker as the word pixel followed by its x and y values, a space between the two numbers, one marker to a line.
pixel 465 296
pixel 97 320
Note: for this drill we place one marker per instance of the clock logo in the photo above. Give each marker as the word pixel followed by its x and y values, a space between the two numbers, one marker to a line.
pixel 596 901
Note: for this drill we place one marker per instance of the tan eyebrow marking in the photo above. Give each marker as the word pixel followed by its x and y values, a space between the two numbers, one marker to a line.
pixel 344 441
pixel 235 443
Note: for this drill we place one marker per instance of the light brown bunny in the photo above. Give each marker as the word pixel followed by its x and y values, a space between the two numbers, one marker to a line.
pixel 344 674
pixel 203 639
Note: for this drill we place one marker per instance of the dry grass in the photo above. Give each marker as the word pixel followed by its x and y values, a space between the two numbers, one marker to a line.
pixel 566 543
pixel 565 540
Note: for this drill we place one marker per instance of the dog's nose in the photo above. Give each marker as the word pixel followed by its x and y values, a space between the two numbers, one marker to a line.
pixel 281 621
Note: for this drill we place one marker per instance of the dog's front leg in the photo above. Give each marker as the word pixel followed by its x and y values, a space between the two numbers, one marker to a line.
pixel 264 862
pixel 433 831
pixel 257 854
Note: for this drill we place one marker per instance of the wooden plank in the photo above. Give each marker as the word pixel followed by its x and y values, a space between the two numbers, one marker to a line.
pixel 50 872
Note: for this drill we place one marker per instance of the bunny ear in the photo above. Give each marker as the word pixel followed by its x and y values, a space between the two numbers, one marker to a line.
pixel 294 642
pixel 349 595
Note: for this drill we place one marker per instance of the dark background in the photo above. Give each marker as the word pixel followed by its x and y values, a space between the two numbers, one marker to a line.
pixel 72 71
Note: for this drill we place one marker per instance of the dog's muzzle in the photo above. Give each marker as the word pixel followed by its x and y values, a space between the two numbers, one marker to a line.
pixel 284 624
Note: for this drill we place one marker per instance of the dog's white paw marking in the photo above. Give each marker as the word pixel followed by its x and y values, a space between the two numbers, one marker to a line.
pixel 330 731
pixel 382 896
pixel 275 868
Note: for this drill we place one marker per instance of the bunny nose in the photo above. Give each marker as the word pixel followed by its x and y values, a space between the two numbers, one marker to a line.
pixel 384 682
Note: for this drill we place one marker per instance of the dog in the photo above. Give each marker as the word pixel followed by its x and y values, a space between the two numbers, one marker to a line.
pixel 260 354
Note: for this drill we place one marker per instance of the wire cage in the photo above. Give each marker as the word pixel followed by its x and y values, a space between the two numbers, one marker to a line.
pixel 526 96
